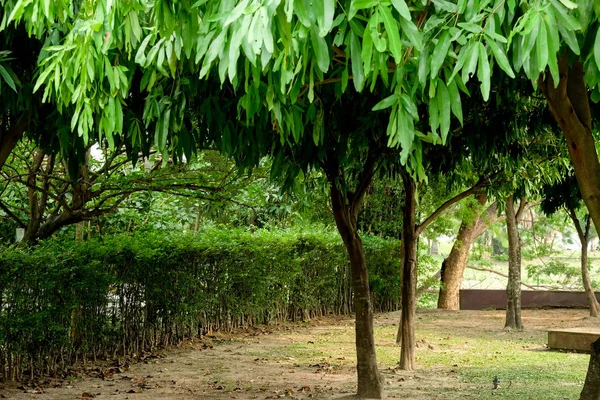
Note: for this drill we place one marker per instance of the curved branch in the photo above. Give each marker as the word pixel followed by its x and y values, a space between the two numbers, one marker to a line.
pixel 441 209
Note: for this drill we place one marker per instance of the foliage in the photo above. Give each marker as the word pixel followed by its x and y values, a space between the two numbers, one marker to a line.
pixel 129 293
pixel 103 59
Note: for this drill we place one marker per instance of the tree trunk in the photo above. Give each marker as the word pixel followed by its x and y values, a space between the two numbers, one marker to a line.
pixel 584 238
pixel 369 380
pixel 454 265
pixel 591 388
pixel 10 137
pixel 409 275
pixel 570 106
pixel 513 287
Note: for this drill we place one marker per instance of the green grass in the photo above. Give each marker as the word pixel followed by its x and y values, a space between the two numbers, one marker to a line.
pixel 471 353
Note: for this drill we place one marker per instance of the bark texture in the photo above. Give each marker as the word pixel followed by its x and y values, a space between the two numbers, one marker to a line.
pixel 513 287
pixel 409 275
pixel 569 103
pixel 454 265
pixel 345 207
pixel 591 387
pixel 584 238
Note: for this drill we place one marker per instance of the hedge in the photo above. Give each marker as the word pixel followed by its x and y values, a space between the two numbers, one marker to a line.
pixel 61 302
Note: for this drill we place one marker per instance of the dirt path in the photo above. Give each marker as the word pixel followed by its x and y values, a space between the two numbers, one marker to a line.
pixel 296 361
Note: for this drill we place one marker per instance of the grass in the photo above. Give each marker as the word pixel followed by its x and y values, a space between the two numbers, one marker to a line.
pixel 458 356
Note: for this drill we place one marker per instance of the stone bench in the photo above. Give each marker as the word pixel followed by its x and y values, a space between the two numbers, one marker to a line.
pixel 580 339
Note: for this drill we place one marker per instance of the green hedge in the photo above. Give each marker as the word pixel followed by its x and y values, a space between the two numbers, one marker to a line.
pixel 106 297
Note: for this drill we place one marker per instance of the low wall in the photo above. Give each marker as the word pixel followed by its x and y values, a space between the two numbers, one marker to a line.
pixel 473 299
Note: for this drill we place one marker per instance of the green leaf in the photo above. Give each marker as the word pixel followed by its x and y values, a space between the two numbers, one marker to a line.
pixel 470 27
pixel 434 116
pixel 455 101
pixel 439 53
pixel 412 32
pixel 532 27
pixel 471 62
pixel 17 12
pixel 140 56
pixel 446 6
pixel 42 78
pixel 356 60
pixel 569 38
pixel 236 13
pixel 569 4
pixel 320 50
pixel 324 10
pixel 483 72
pixel 367 51
pixel 597 49
pixel 7 78
pixel 356 5
pixel 569 21
pixel 501 58
pixel 391 29
pixel 444 107
pixel 386 103
pixel 402 8
pixel 541 47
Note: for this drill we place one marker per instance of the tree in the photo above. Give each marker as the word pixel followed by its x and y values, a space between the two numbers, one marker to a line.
pixel 46 197
pixel 566 195
pixel 454 265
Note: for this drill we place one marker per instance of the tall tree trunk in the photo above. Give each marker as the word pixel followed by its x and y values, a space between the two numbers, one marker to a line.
pixel 570 106
pixel 454 265
pixel 584 238
pixel 409 275
pixel 369 381
pixel 591 388
pixel 513 287
pixel 569 103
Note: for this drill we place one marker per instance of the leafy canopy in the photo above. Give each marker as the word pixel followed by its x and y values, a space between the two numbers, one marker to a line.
pixel 269 56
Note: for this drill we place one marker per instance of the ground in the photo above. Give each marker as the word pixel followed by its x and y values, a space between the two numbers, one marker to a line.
pixel 459 354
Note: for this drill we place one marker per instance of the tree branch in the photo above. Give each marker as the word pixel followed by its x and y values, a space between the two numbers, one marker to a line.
pixel 498 273
pixel 12 215
pixel 423 225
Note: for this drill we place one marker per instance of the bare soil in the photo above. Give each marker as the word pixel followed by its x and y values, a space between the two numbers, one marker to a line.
pixel 314 359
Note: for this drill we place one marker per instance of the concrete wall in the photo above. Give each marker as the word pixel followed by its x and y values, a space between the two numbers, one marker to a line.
pixel 472 299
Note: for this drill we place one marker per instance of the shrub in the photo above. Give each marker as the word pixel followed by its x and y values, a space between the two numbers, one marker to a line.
pixel 64 301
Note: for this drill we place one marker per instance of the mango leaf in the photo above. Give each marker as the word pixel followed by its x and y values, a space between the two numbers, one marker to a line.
pixel 570 38
pixel 500 58
pixel 320 50
pixel 324 11
pixel 569 4
pixel 412 32
pixel 7 78
pixel 597 49
pixel 444 107
pixel 541 47
pixel 483 72
pixel 356 5
pixel 470 62
pixel 402 8
pixel 569 21
pixel 386 103
pixel 357 65
pixel 439 53
pixel 391 29
pixel 455 101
